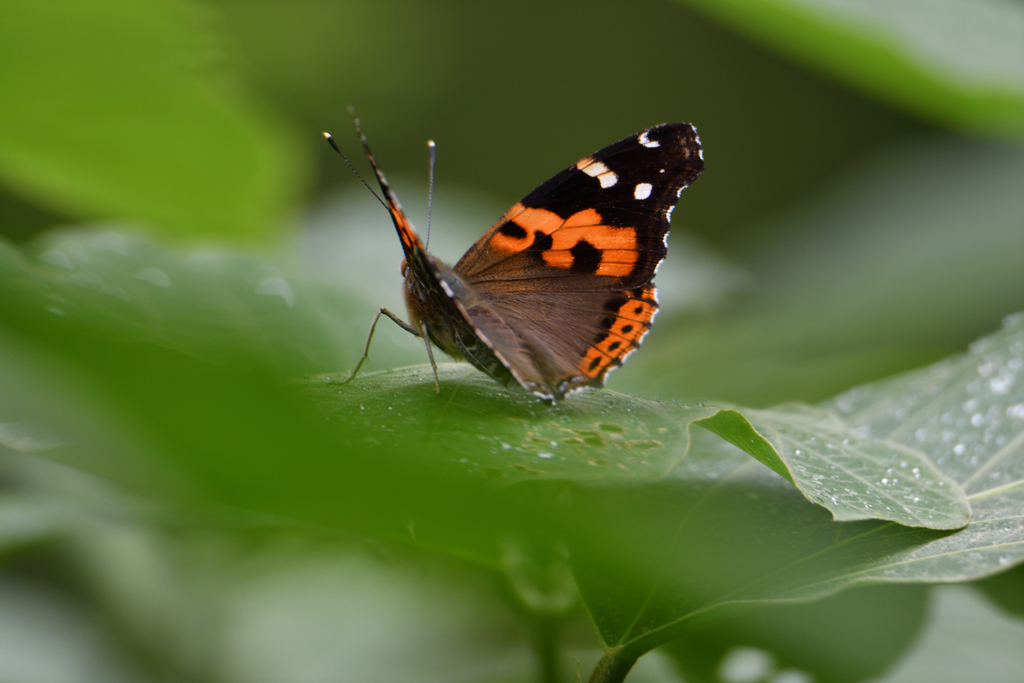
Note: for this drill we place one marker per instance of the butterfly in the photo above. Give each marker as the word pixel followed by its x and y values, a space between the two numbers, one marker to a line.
pixel 559 292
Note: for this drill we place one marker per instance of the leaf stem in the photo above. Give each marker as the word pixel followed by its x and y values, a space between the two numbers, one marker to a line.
pixel 545 637
pixel 612 667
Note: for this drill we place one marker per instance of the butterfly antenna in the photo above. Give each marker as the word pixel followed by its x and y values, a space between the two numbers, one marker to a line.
pixel 334 145
pixel 389 194
pixel 432 151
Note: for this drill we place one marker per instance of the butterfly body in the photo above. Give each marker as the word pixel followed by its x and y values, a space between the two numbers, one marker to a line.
pixel 444 316
pixel 559 291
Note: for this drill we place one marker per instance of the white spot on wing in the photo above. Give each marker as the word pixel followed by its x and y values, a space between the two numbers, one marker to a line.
pixel 668 215
pixel 642 191
pixel 647 142
pixel 680 190
pixel 598 170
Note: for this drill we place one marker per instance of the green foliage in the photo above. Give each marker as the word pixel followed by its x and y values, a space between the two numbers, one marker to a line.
pixel 187 487
pixel 956 62
pixel 112 109
pixel 385 457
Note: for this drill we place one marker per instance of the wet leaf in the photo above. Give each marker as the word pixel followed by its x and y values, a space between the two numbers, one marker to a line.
pixel 841 469
pixel 649 563
pixel 478 428
pixel 475 427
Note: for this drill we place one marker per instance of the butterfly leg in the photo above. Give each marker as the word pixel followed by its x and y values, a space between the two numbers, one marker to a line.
pixel 373 326
pixel 430 355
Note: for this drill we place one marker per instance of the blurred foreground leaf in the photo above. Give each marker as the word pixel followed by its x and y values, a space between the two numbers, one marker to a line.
pixel 174 372
pixel 960 62
pixel 221 305
pixel 118 110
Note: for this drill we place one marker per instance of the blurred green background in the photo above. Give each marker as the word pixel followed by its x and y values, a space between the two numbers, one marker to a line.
pixel 861 214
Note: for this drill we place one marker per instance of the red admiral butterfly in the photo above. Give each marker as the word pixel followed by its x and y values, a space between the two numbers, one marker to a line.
pixel 559 291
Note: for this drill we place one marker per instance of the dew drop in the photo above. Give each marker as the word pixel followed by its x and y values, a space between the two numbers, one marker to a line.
pixel 1001 384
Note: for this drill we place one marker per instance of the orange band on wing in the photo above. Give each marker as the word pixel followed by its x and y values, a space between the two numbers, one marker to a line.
pixel 520 225
pixel 617 245
pixel 597 236
pixel 595 363
pixel 626 329
pixel 582 218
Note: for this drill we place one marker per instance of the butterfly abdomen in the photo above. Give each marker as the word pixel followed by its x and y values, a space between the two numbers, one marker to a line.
pixel 440 305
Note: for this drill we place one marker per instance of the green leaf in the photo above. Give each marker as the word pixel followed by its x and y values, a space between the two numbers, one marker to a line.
pixel 478 428
pixel 966 412
pixel 601 436
pixel 221 305
pixel 853 476
pixel 648 563
pixel 108 111
pixel 960 62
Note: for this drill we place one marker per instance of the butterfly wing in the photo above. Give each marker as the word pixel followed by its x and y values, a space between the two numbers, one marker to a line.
pixel 562 282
